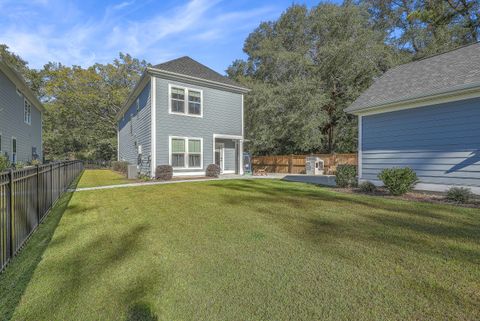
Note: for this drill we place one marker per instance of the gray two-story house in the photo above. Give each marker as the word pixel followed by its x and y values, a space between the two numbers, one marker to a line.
pixel 184 114
pixel 20 118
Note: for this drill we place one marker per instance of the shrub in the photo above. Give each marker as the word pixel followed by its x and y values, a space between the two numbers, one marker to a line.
pixel 35 162
pixel 164 172
pixel 398 181
pixel 213 170
pixel 459 194
pixel 346 176
pixel 19 165
pixel 121 167
pixel 4 163
pixel 367 187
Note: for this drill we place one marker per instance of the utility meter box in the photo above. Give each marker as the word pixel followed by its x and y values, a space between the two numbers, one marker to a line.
pixel 314 165
pixel 132 172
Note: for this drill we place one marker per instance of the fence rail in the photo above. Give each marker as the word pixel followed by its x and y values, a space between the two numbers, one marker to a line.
pixel 295 164
pixel 26 196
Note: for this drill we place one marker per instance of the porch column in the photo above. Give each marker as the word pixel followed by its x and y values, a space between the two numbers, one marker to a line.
pixel 240 156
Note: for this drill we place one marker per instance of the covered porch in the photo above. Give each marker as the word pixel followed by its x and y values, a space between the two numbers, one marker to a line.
pixel 227 153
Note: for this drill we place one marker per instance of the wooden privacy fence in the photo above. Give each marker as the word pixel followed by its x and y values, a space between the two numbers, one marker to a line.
pixel 295 164
pixel 26 196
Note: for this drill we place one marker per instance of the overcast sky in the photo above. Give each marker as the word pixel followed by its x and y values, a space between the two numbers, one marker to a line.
pixel 88 31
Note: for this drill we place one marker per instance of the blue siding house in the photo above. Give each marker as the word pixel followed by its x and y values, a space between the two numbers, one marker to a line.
pixel 20 118
pixel 424 115
pixel 183 114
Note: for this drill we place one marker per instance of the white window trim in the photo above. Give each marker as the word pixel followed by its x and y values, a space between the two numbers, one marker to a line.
pixel 170 138
pixel 186 89
pixel 29 119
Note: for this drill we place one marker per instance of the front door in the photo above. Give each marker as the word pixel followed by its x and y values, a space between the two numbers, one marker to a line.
pixel 220 155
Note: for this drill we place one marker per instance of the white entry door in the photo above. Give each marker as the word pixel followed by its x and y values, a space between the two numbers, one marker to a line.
pixel 220 155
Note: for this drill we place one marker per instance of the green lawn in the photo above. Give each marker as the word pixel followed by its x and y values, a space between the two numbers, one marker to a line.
pixel 246 250
pixel 102 177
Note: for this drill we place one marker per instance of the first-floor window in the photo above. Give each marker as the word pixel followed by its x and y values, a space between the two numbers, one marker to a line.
pixel 178 152
pixel 14 145
pixel 186 152
pixel 194 153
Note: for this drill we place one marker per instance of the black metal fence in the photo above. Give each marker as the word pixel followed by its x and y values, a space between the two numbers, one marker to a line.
pixel 26 196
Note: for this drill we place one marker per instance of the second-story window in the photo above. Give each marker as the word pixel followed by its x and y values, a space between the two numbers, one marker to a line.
pixel 27 112
pixel 178 100
pixel 186 101
pixel 194 102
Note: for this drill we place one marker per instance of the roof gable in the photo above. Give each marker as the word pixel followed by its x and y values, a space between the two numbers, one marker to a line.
pixel 189 67
pixel 450 71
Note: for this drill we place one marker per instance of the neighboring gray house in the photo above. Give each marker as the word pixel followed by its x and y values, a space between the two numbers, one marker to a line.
pixel 424 115
pixel 183 114
pixel 20 118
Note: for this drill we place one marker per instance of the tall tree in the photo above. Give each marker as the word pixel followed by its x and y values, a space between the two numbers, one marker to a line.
pixel 425 27
pixel 304 69
pixel 82 104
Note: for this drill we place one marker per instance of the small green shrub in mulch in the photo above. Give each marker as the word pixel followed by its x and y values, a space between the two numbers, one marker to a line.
pixel 346 176
pixel 367 187
pixel 213 170
pixel 4 163
pixel 164 172
pixel 459 194
pixel 398 181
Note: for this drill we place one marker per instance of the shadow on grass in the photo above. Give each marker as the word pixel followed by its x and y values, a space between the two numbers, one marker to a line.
pixel 435 230
pixel 141 312
pixel 16 277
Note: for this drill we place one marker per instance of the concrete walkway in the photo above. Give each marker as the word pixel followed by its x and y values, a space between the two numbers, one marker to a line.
pixel 223 177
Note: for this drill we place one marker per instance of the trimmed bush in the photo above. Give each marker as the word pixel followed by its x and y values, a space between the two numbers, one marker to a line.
pixel 459 194
pixel 398 181
pixel 164 172
pixel 4 163
pixel 121 167
pixel 213 170
pixel 346 176
pixel 367 187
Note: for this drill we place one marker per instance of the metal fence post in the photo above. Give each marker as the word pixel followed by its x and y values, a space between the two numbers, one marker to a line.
pixel 12 215
pixel 38 195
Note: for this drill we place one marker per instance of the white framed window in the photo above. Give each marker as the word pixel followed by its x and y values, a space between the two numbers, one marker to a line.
pixel 14 150
pixel 27 112
pixel 0 142
pixel 186 152
pixel 185 101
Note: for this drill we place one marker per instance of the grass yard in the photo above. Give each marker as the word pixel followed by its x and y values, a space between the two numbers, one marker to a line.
pixel 102 177
pixel 246 250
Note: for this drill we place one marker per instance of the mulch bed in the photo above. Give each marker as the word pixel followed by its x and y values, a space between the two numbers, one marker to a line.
pixel 418 196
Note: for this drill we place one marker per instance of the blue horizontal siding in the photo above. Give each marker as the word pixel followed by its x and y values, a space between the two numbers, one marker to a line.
pixel 440 142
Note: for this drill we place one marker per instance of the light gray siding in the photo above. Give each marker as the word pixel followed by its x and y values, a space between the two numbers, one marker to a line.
pixel 134 129
pixel 441 143
pixel 222 114
pixel 12 123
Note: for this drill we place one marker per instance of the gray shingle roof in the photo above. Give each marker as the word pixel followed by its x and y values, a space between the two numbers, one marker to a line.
pixel 456 69
pixel 189 67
